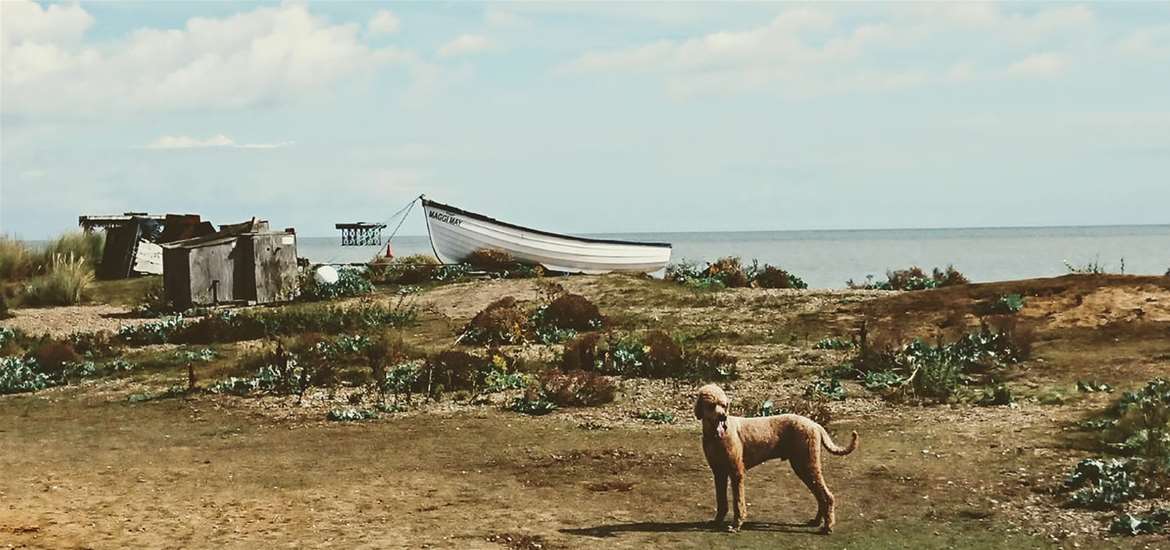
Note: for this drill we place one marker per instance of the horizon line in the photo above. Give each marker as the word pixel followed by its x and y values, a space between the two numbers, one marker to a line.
pixel 1086 226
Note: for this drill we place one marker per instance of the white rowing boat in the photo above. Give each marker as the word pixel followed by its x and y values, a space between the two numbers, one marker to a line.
pixel 456 233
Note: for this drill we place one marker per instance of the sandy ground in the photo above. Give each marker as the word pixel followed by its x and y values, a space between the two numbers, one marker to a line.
pixel 63 321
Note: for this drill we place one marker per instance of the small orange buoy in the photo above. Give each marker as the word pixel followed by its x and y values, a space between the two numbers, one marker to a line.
pixel 389 251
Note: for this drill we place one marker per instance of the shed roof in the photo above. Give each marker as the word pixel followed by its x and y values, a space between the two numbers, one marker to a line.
pixel 227 233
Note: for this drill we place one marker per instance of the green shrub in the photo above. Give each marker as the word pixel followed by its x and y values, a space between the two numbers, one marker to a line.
pixel 689 274
pixel 350 282
pixel 64 284
pixel 913 278
pixel 656 416
pixel 532 404
pixel 1152 522
pixel 830 388
pixel 833 343
pixel 1101 484
pixel 654 354
pixel 1089 268
pixel 501 263
pixel 774 277
pixel 19 374
pixel 350 414
pixel 729 271
pixel 879 380
pixel 1004 305
pixel 997 396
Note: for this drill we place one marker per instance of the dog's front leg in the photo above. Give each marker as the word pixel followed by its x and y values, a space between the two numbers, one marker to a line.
pixel 720 496
pixel 737 475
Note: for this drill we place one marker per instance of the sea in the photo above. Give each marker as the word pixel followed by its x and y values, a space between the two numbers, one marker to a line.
pixel 827 259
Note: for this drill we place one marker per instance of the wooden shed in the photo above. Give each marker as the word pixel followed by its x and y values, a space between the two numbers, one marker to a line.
pixel 240 263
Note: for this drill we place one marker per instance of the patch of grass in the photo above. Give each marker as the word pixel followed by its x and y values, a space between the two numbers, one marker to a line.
pixel 65 284
pixel 87 246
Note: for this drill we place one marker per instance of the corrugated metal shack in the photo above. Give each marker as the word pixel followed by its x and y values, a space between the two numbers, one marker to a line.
pixel 240 263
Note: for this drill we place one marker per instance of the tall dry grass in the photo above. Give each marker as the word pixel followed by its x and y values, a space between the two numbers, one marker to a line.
pixel 78 244
pixel 65 283
pixel 16 260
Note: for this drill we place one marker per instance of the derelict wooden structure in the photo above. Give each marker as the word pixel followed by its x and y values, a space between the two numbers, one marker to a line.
pixel 240 263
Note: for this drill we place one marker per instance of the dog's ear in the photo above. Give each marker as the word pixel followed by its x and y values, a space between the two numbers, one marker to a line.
pixel 699 409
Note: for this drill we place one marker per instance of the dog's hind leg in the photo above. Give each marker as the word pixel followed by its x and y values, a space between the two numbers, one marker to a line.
pixel 810 473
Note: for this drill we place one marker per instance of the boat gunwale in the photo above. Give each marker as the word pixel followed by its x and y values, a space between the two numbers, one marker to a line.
pixel 427 203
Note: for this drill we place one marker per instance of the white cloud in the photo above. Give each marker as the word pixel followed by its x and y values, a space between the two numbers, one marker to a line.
pixel 384 22
pixel 804 52
pixel 1150 42
pixel 466 44
pixel 216 141
pixel 263 56
pixel 1041 65
pixel 25 20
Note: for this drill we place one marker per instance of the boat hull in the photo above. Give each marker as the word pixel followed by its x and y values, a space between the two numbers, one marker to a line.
pixel 456 233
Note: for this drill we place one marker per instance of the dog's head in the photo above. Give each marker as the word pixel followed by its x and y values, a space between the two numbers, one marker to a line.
pixel 712 405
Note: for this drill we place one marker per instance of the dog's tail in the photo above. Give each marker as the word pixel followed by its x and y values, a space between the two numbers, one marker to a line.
pixel 827 442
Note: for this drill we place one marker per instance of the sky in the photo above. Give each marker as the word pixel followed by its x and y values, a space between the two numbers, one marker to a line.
pixel 587 117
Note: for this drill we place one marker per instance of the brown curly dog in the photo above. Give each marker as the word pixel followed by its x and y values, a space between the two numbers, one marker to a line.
pixel 734 444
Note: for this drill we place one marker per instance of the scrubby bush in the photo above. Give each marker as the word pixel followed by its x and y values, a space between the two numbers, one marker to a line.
pixel 570 311
pixel 913 278
pixel 1101 484
pixel 350 414
pixel 829 388
pixel 350 282
pixel 501 322
pixel 653 354
pixel 1007 304
pixel 1152 522
pixel 937 372
pixel 64 284
pixel 53 357
pixel 407 270
pixel 83 245
pixel 773 277
pixel 689 274
pixel 576 388
pixel 501 263
pixel 454 370
pixel 16 260
pixel 729 271
pixel 532 403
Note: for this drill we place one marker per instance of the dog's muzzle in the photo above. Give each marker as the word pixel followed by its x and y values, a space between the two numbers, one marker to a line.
pixel 721 426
